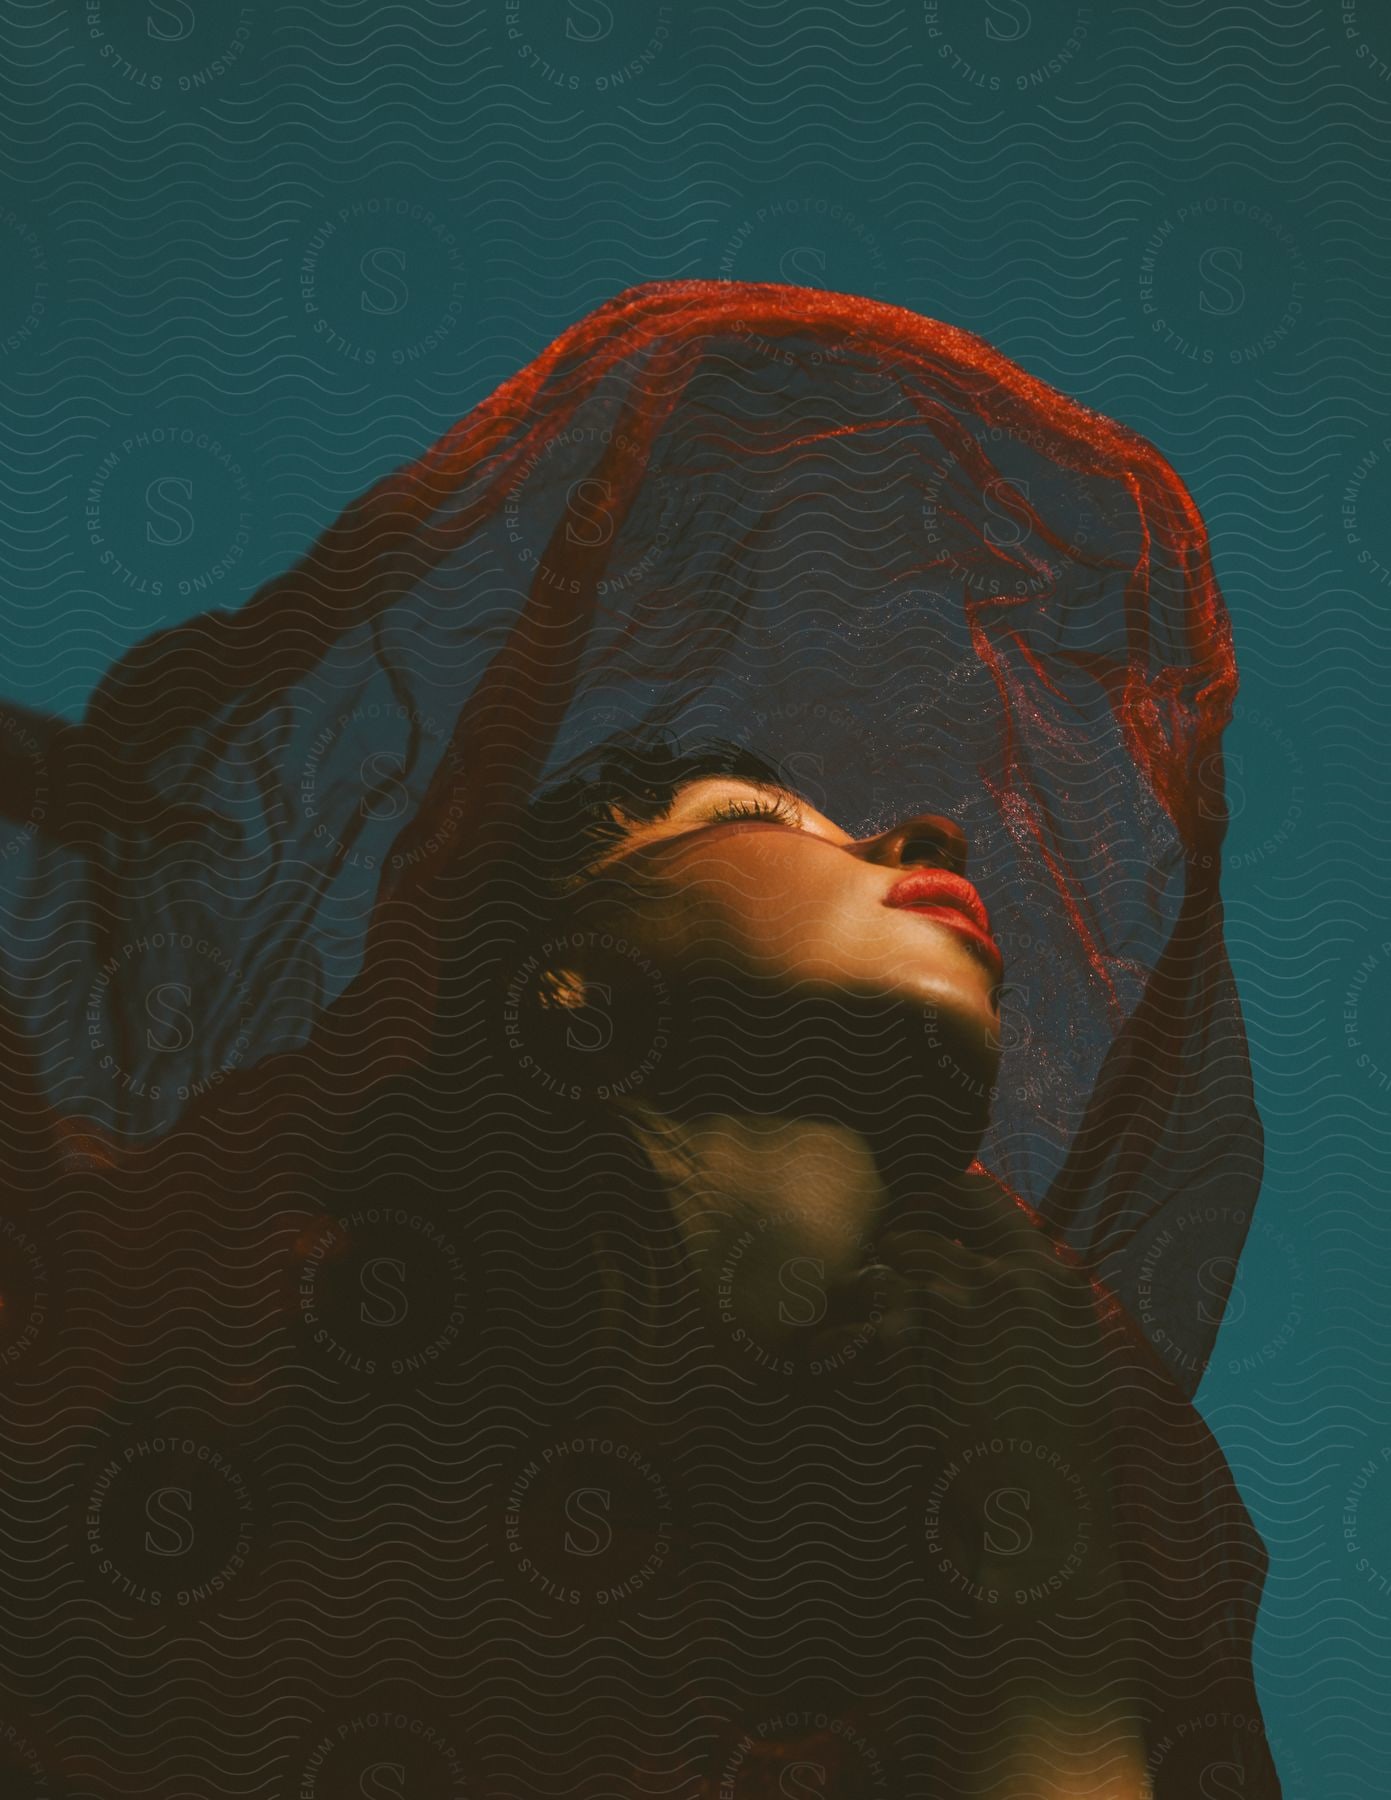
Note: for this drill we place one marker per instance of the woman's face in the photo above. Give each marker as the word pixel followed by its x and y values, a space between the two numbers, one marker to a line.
pixel 755 891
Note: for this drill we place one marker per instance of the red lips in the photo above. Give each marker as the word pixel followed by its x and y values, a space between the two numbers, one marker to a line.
pixel 939 887
pixel 949 900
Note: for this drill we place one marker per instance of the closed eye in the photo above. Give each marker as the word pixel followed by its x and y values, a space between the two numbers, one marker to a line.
pixel 781 809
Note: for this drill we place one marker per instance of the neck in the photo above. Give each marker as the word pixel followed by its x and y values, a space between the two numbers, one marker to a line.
pixel 773 1072
pixel 834 1185
pixel 793 1226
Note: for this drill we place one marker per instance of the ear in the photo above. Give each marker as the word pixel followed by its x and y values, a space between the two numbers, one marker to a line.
pixel 594 1020
pixel 558 989
pixel 575 1017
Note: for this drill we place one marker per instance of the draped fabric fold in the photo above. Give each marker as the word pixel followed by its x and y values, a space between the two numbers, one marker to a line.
pixel 862 543
pixel 858 540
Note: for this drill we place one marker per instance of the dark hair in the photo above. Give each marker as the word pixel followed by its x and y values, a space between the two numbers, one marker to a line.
pixel 604 1274
pixel 630 778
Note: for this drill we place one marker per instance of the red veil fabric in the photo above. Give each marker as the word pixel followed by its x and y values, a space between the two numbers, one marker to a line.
pixel 859 541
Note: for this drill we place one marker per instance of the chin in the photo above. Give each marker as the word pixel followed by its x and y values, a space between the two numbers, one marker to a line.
pixel 963 1000
pixel 960 1036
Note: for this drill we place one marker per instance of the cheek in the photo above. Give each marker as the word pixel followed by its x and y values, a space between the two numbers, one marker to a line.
pixel 769 904
pixel 836 937
pixel 930 960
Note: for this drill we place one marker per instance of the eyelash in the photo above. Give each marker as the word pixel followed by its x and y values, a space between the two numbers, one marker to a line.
pixel 780 809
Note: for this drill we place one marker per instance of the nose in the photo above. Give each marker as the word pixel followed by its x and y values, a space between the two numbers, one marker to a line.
pixel 927 840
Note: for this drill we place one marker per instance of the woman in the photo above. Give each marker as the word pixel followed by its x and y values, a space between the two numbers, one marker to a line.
pixel 594 1059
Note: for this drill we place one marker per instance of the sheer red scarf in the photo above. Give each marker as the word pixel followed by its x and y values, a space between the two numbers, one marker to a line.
pixel 859 541
pixel 862 542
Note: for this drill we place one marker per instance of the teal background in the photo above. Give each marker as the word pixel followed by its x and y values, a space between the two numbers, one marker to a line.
pixel 251 257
